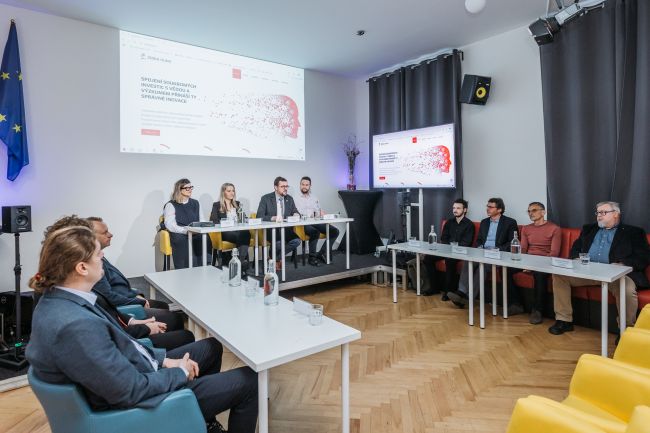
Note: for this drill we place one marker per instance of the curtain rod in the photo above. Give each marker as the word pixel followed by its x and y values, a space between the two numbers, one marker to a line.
pixel 416 65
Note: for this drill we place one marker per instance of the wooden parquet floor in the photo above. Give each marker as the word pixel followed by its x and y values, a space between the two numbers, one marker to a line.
pixel 418 368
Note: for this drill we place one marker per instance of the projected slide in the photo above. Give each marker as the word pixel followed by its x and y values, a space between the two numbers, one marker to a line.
pixel 418 158
pixel 185 100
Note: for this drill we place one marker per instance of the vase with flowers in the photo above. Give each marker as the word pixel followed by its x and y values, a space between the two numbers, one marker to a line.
pixel 351 149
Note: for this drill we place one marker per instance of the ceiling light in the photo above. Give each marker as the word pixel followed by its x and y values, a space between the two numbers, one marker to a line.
pixel 474 6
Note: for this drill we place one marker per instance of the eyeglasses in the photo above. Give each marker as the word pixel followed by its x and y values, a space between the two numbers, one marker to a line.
pixel 533 210
pixel 188 188
pixel 603 212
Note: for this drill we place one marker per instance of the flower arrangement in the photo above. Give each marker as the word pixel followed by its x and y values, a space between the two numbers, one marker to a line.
pixel 351 149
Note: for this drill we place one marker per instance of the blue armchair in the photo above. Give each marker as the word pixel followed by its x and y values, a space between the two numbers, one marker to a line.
pixel 68 412
pixel 136 311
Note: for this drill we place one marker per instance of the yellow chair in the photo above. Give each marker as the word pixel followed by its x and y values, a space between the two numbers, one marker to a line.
pixel 300 232
pixel 640 421
pixel 634 347
pixel 219 245
pixel 165 246
pixel 644 318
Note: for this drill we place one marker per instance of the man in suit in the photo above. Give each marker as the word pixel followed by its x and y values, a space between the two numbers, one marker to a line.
pixel 457 229
pixel 606 241
pixel 117 289
pixel 495 231
pixel 279 205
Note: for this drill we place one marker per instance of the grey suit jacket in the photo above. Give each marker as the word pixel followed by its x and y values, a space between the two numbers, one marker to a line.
pixel 73 341
pixel 268 207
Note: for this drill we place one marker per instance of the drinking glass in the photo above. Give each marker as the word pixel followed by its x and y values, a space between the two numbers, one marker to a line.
pixel 316 315
pixel 584 258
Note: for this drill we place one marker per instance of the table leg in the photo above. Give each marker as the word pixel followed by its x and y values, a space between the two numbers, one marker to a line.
pixel 273 245
pixel 204 245
pixel 504 277
pixel 345 388
pixel 347 245
pixel 257 253
pixel 327 241
pixel 262 401
pixel 471 293
pixel 265 253
pixel 283 254
pixel 189 248
pixel 481 295
pixel 603 318
pixel 417 272
pixel 494 290
pixel 621 303
pixel 394 277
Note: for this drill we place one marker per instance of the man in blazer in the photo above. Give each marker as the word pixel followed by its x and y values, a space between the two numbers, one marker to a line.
pixel 76 341
pixel 117 289
pixel 606 241
pixel 279 203
pixel 495 231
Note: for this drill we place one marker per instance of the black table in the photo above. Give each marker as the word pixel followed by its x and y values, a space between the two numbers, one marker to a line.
pixel 360 205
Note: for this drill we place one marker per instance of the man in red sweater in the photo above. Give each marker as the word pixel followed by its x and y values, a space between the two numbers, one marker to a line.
pixel 540 238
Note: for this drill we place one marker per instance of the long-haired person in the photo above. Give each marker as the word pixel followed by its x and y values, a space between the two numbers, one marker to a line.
pixel 227 207
pixel 179 212
pixel 75 341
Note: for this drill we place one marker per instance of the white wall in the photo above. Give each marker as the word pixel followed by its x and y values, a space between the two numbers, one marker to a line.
pixel 503 141
pixel 71 90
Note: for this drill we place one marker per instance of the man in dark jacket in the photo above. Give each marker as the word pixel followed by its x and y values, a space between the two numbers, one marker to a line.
pixel 495 231
pixel 607 241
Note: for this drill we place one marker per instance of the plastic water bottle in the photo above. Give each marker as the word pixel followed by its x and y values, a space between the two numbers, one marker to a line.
pixel 234 270
pixel 433 239
pixel 515 248
pixel 271 290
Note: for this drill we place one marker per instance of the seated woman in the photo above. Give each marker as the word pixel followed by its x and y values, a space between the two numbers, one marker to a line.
pixel 227 207
pixel 73 340
pixel 180 212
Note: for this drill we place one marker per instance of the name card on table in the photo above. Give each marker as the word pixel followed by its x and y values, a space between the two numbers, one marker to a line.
pixel 227 223
pixel 330 216
pixel 293 218
pixel 414 243
pixel 254 221
pixel 492 254
pixel 562 263
pixel 302 307
pixel 459 250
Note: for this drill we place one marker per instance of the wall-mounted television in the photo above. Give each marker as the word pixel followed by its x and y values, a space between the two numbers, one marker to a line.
pixel 416 158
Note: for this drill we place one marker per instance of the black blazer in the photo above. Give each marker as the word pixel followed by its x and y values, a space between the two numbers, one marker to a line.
pixel 216 214
pixel 116 287
pixel 505 232
pixel 629 246
pixel 268 208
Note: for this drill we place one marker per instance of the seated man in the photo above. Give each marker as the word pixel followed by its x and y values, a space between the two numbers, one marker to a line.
pixel 540 238
pixel 495 231
pixel 279 204
pixel 607 241
pixel 457 229
pixel 117 288
pixel 75 341
pixel 308 205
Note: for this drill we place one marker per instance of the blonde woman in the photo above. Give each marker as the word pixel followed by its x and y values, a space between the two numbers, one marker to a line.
pixel 227 207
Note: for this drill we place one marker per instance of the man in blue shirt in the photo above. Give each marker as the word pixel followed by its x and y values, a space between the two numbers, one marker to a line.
pixel 607 241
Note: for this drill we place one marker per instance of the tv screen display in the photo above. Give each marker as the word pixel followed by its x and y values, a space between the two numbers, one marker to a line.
pixel 417 158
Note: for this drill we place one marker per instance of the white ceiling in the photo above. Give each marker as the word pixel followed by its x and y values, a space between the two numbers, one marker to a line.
pixel 311 34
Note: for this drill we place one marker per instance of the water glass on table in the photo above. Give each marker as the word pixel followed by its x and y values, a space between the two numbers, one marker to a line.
pixel 584 258
pixel 316 315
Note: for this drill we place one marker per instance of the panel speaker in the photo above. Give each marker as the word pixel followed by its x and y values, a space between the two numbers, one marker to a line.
pixel 475 89
pixel 16 219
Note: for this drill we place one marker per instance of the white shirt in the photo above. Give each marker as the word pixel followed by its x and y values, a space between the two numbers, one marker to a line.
pixel 307 204
pixel 169 213
pixel 92 298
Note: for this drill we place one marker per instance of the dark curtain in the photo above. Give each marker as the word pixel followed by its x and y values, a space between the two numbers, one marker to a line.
pixel 412 97
pixel 596 114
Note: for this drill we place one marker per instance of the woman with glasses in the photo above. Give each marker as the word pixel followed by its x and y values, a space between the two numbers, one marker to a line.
pixel 180 212
pixel 228 207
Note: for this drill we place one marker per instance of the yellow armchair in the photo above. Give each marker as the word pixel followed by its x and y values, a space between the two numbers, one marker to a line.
pixel 634 347
pixel 300 232
pixel 165 246
pixel 219 245
pixel 643 320
pixel 640 421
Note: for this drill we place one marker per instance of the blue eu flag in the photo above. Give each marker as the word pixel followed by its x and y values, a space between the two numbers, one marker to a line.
pixel 12 109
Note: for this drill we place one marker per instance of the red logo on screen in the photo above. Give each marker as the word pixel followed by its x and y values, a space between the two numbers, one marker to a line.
pixel 382 177
pixel 236 73
pixel 155 132
pixel 414 140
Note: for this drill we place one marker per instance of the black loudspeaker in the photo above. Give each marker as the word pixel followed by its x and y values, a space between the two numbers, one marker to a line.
pixel 475 89
pixel 16 219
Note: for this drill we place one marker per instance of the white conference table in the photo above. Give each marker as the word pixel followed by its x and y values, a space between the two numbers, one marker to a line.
pixel 203 231
pixel 261 336
pixel 605 273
